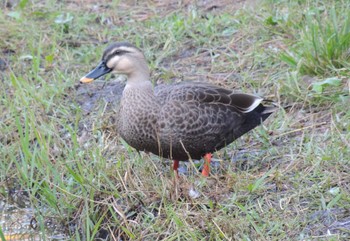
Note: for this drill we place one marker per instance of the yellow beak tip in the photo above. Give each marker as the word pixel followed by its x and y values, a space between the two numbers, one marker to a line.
pixel 86 80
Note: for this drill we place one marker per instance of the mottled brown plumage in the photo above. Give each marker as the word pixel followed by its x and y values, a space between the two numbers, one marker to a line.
pixel 177 121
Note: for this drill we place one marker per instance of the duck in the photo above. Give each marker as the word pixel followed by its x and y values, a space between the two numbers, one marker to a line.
pixel 179 121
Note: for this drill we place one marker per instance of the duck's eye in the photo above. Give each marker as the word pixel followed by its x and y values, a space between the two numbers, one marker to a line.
pixel 117 52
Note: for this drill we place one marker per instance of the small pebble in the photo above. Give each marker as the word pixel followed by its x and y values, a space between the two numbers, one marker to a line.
pixel 193 193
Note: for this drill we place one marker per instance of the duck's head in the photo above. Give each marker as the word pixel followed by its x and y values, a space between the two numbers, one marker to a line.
pixel 121 58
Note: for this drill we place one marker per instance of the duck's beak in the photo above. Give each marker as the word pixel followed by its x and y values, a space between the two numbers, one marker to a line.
pixel 99 71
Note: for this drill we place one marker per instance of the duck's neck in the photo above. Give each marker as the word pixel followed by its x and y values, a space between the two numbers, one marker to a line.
pixel 143 85
pixel 139 77
pixel 139 81
pixel 138 84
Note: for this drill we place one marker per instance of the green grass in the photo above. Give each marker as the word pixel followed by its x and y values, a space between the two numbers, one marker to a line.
pixel 324 42
pixel 289 179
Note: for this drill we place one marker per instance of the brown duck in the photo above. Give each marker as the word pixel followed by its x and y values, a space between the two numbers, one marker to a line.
pixel 176 121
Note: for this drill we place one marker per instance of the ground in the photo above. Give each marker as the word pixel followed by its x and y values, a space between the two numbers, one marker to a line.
pixel 66 171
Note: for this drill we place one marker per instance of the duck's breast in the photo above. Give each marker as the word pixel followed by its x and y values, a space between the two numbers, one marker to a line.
pixel 137 120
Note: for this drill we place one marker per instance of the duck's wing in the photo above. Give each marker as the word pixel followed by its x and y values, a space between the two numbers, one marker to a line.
pixel 204 118
pixel 207 93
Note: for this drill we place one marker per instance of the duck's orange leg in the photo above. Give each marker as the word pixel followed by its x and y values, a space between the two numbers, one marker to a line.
pixel 206 166
pixel 175 167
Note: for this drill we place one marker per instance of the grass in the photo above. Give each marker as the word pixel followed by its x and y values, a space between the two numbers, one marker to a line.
pixel 325 43
pixel 61 156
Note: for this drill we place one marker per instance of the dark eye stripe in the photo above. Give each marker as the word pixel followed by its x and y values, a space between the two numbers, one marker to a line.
pixel 117 52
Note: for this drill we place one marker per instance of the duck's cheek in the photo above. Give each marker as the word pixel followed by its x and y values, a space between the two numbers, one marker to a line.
pixel 124 65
